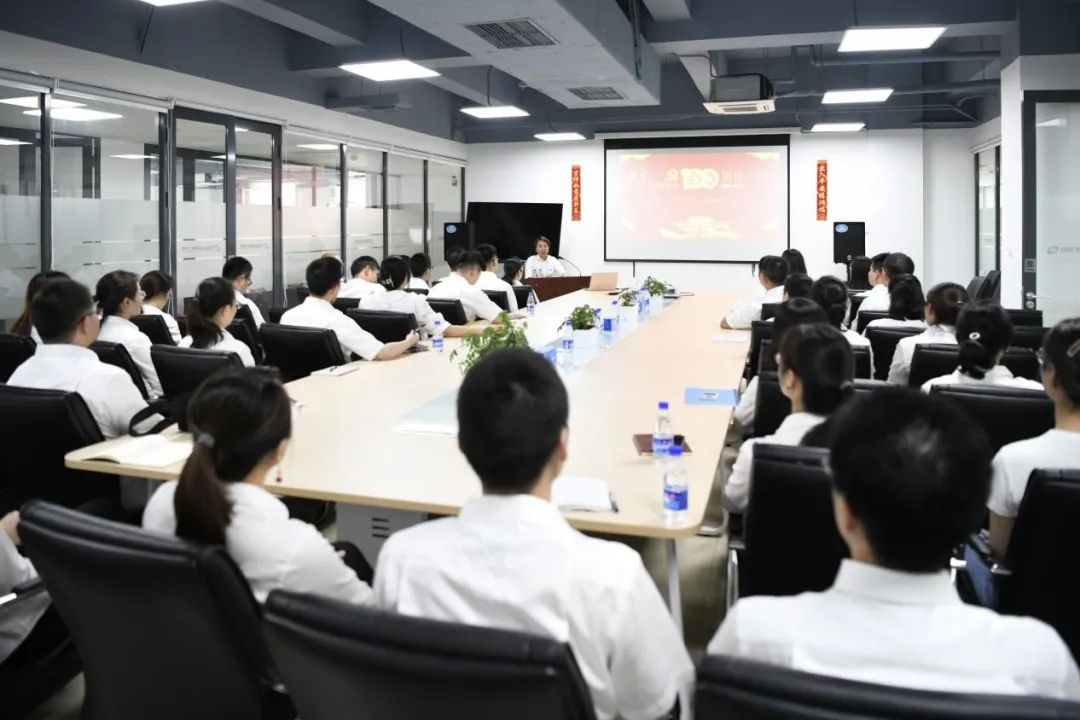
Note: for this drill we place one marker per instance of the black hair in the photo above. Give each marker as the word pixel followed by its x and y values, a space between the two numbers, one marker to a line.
pixel 394 273
pixel 511 410
pixel 237 418
pixel 541 239
pixel 323 275
pixel 898 264
pixel 983 331
pixel 906 301
pixel 487 252
pixel 58 308
pixel 1061 353
pixel 822 358
pixel 915 471
pixel 419 264
pixel 452 256
pixel 362 263
pixel 511 267
pixel 796 262
pixel 774 268
pixel 946 300
pixel 797 285
pixel 470 260
pixel 211 295
pixel 22 324
pixel 797 311
pixel 859 273
pixel 113 289
pixel 237 267
pixel 877 263
pixel 831 294
pixel 155 283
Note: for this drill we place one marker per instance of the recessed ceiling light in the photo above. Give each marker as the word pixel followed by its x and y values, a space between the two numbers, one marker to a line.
pixel 870 95
pixel 77 114
pixel 319 146
pixel 166 3
pixel 390 70
pixel 555 137
pixel 133 156
pixel 219 157
pixel 500 111
pixel 241 129
pixel 838 127
pixel 8 141
pixel 32 102
pixel 879 39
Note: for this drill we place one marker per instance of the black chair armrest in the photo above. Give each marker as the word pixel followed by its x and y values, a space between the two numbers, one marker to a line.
pixel 22 592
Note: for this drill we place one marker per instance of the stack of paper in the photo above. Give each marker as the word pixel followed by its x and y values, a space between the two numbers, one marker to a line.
pixel 581 493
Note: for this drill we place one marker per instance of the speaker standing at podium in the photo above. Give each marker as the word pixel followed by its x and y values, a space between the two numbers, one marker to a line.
pixel 543 265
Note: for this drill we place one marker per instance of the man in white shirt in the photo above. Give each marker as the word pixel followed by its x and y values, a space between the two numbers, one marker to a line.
pixel 365 279
pixel 911 475
pixel 510 560
pixel 772 272
pixel 420 270
pixel 878 294
pixel 892 266
pixel 489 280
pixel 462 285
pixel 317 311
pixel 237 270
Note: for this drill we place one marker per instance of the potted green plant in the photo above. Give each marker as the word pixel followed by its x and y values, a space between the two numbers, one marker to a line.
pixel 476 346
pixel 656 289
pixel 628 310
pixel 583 320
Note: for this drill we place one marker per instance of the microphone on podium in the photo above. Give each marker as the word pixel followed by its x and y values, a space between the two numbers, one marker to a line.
pixel 563 259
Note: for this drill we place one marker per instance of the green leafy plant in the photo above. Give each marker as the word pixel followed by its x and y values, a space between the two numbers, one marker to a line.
pixel 476 346
pixel 582 317
pixel 628 298
pixel 657 287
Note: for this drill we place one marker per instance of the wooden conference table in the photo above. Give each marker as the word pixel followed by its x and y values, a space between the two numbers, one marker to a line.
pixel 347 446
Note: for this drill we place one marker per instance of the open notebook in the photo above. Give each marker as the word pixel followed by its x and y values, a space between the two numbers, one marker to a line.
pixel 153 451
pixel 582 493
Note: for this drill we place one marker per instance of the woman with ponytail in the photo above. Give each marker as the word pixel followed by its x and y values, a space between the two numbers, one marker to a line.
pixel 119 298
pixel 832 295
pixel 943 305
pixel 395 277
pixel 208 316
pixel 984 332
pixel 817 373
pixel 241 421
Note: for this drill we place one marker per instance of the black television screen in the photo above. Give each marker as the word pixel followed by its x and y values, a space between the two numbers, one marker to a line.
pixel 513 227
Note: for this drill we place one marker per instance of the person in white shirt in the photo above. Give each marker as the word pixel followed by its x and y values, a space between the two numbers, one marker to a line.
pixel 984 332
pixel 157 289
pixel 22 324
pixel 816 372
pixel 317 311
pixel 242 421
pixel 943 304
pixel 18 622
pixel 513 272
pixel 420 270
pixel 911 473
pixel 542 264
pixel 238 270
pixel 1057 449
pixel 832 295
pixel 772 272
pixel 395 278
pixel 510 560
pixel 365 279
pixel 892 266
pixel 208 316
pixel 907 305
pixel 119 298
pixel 489 280
pixel 462 285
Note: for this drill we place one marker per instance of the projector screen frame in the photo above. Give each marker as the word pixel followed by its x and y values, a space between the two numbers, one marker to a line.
pixel 690 142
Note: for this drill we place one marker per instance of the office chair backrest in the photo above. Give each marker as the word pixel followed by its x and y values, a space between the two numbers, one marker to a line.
pixel 760 331
pixel 932 361
pixel 240 330
pixel 166 629
pixel 768 310
pixel 792 544
pixel 863 367
pixel 770 406
pixel 244 315
pixel 183 370
pixel 339 659
pixel 499 298
pixel 344 304
pixel 868 316
pixel 302 294
pixel 1029 337
pixel 386 326
pixel 521 293
pixel 154 327
pixel 418 291
pixel 274 314
pixel 299 351
pixel 14 351
pixel 37 429
pixel 884 340
pixel 451 310
pixel 117 355
pixel 975 286
pixel 991 289
pixel 733 688
pixel 1025 318
pixel 856 302
pixel 1007 414
pixel 181 323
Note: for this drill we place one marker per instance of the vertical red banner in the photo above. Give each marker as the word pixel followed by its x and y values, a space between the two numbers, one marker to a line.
pixel 822 190
pixel 575 193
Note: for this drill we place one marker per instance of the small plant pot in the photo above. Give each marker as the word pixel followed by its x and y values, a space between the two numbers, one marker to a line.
pixel 656 304
pixel 628 314
pixel 586 338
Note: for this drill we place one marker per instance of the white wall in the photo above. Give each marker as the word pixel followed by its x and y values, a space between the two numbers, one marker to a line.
pixel 948 214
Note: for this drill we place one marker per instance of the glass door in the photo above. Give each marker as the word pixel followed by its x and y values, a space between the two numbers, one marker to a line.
pixel 988 190
pixel 200 204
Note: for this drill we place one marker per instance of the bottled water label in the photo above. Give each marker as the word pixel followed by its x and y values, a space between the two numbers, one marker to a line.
pixel 437 343
pixel 609 325
pixel 568 343
pixel 675 499
pixel 661 444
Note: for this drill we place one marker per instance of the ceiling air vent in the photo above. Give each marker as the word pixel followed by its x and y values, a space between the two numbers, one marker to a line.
pixel 596 93
pixel 746 108
pixel 512 34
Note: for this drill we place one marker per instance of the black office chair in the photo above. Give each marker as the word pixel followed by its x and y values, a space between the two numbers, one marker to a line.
pixel 166 629
pixel 183 370
pixel 274 314
pixel 521 294
pixel 991 289
pixel 856 302
pixel 884 340
pixel 181 322
pixel 975 286
pixel 242 332
pixel 451 310
pixel 386 326
pixel 734 688
pixel 760 331
pixel 863 366
pixel 868 316
pixel 770 405
pixel 117 355
pixel 1007 414
pixel 768 310
pixel 932 361
pixel 37 429
pixel 14 351
pixel 1025 318
pixel 299 351
pixel 339 660
pixel 344 304
pixel 302 294
pixel 418 291
pixel 154 327
pixel 499 298
pixel 244 315
pixel 1029 338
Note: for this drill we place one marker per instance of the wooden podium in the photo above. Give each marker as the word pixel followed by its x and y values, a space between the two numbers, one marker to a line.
pixel 553 287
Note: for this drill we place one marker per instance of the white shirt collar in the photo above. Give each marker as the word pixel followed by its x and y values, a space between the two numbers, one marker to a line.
pixel 940 330
pixel 64 350
pixel 893 586
pixel 799 422
pixel 318 303
pixel 456 278
pixel 516 509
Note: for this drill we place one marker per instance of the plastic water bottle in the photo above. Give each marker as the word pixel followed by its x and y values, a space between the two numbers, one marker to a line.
pixel 437 338
pixel 530 304
pixel 566 346
pixel 607 326
pixel 676 490
pixel 663 437
pixel 643 301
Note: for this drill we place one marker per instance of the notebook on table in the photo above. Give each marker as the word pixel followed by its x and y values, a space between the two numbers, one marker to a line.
pixel 152 451
pixel 573 494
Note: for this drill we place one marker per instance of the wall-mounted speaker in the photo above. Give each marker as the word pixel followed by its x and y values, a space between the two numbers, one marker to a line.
pixel 849 240
pixel 458 235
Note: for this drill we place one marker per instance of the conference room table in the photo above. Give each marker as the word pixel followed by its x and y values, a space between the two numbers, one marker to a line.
pixel 350 443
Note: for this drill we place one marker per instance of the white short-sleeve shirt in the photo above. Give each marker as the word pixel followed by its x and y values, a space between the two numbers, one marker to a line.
pixel 170 321
pixel 416 283
pixel 19 619
pixel 998 375
pixel 513 562
pixel 791 432
pixel 227 343
pixel 406 302
pixel 875 299
pixel 894 323
pixel 537 268
pixel 900 370
pixel 473 299
pixel 902 629
pixel 241 299
pixel 360 288
pixel 273 550
pixel 1014 463
pixel 317 313
pixel 748 309
pixel 490 281
pixel 117 330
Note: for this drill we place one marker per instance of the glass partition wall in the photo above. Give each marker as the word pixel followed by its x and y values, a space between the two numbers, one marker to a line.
pixel 20 196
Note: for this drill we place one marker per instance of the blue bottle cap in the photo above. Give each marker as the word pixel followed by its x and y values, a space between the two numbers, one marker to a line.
pixel 663 405
pixel 675 451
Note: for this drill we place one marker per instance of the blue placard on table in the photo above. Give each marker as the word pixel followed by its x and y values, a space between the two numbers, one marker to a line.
pixel 712 396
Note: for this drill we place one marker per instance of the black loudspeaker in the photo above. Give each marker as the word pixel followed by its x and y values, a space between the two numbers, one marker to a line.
pixel 459 235
pixel 848 240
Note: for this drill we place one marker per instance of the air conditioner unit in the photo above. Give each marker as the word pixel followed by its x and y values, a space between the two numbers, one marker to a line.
pixel 744 108
pixel 741 95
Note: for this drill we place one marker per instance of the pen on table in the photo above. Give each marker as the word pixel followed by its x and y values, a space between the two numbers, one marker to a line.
pixel 614 505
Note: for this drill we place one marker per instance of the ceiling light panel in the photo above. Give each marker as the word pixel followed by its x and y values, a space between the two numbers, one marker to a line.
pixel 390 70
pixel 499 111
pixel 32 102
pixel 838 127
pixel 557 137
pixel 319 146
pixel 77 114
pixel 869 95
pixel 883 39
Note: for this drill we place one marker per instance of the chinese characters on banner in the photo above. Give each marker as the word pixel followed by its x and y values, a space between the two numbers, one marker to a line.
pixel 822 190
pixel 575 193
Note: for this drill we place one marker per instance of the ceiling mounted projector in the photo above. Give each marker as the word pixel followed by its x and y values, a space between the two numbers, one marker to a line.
pixel 741 95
